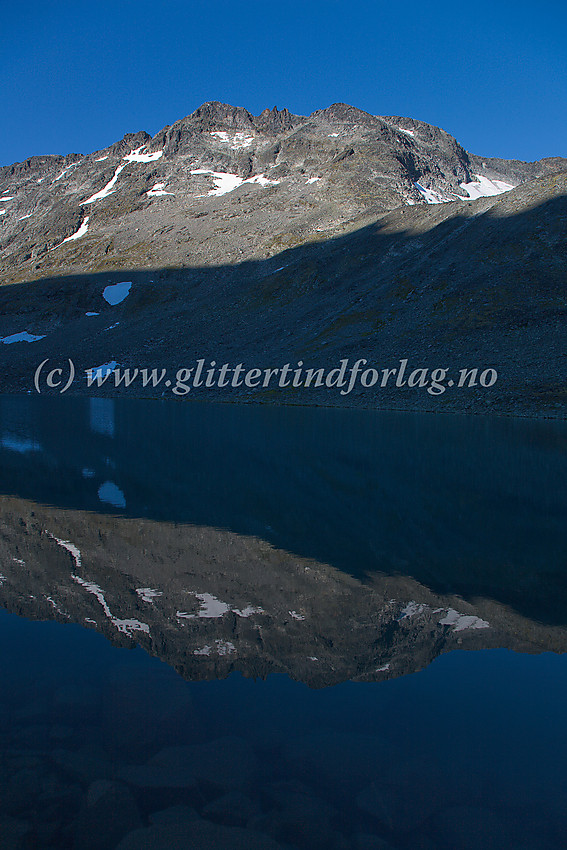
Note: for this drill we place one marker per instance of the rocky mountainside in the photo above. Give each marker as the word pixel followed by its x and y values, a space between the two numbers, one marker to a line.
pixel 223 185
pixel 277 238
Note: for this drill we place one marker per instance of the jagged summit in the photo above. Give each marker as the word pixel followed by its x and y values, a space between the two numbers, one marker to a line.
pixel 276 120
pixel 214 115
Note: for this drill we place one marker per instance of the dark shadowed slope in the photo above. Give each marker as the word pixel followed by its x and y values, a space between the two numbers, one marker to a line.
pixel 456 285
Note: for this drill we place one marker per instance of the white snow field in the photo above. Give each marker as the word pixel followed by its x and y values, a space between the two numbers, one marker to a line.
pixel 136 156
pixel 65 170
pixel 460 622
pixel 235 140
pixel 226 182
pixel 483 187
pixel 157 190
pixel 77 235
pixel 106 190
pixel 102 371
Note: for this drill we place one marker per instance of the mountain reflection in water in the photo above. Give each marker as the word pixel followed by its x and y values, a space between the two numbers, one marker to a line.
pixel 340 548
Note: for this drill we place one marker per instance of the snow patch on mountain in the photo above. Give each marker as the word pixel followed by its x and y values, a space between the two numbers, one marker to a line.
pixel 106 190
pixel 226 182
pixel 412 609
pixel 101 371
pixel 430 196
pixel 136 156
pixel 235 140
pixel 115 293
pixel 248 611
pixel 65 170
pixel 148 594
pixel 210 607
pixel 77 235
pixel 125 626
pixel 222 647
pixel 483 187
pixel 453 618
pixel 262 181
pixel 70 547
pixel 133 156
pixel 157 190
pixel 460 622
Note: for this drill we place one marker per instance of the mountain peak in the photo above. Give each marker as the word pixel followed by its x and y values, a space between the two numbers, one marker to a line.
pixel 216 115
pixel 345 113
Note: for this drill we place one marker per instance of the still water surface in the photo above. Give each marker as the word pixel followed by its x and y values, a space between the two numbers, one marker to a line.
pixel 266 627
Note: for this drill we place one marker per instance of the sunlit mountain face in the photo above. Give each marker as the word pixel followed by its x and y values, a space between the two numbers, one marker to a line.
pixel 279 627
pixel 269 181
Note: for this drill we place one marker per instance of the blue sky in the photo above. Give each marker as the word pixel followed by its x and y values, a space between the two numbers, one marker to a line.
pixel 77 76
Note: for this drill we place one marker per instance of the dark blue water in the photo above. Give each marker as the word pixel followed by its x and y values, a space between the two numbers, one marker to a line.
pixel 469 504
pixel 108 747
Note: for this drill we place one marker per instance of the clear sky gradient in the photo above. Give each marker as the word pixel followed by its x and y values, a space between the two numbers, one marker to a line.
pixel 77 76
